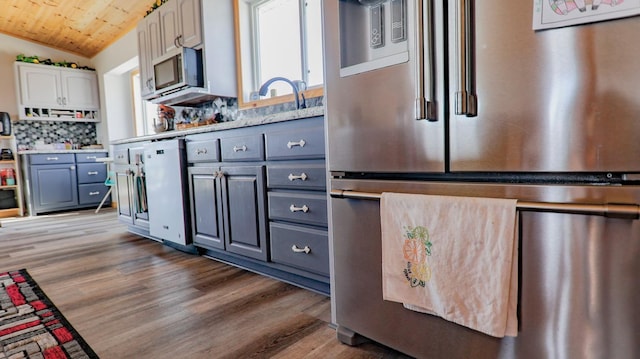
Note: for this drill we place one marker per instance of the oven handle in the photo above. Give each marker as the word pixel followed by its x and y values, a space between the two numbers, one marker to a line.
pixel 611 210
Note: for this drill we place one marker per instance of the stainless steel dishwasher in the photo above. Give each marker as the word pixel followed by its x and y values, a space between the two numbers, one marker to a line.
pixel 165 167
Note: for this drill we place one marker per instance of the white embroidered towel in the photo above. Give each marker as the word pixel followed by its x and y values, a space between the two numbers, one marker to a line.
pixel 454 257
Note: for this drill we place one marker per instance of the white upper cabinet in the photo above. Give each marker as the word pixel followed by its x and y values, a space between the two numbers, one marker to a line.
pixel 50 92
pixel 180 24
pixel 148 32
pixel 190 22
pixel 40 86
pixel 80 90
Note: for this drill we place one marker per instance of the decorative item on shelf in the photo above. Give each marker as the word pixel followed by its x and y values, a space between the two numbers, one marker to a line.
pixel 6 154
pixel 156 4
pixel 36 60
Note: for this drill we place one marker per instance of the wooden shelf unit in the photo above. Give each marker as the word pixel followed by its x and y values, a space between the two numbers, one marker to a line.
pixel 10 143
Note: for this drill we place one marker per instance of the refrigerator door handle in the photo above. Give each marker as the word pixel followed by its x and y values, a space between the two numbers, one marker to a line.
pixel 426 108
pixel 610 210
pixel 466 99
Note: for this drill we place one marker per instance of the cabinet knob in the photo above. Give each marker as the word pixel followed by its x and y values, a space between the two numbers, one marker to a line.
pixel 296 249
pixel 304 208
pixel 300 143
pixel 218 174
pixel 302 176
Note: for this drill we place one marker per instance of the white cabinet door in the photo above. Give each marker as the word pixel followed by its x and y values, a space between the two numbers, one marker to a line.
pixel 153 33
pixel 80 90
pixel 148 32
pixel 169 27
pixel 146 77
pixel 190 15
pixel 40 86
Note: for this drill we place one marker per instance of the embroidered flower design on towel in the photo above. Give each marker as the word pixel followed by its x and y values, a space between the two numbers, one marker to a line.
pixel 416 249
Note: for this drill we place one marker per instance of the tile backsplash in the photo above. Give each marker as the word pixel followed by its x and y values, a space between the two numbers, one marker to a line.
pixel 27 133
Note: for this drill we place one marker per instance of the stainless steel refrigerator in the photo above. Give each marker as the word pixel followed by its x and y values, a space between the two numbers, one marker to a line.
pixel 464 98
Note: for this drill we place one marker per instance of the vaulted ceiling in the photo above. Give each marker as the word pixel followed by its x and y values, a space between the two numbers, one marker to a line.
pixel 83 27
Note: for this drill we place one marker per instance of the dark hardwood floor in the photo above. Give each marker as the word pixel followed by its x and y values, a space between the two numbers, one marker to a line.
pixel 131 297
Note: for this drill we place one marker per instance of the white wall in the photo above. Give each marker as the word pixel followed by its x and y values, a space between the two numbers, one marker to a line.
pixel 114 65
pixel 10 47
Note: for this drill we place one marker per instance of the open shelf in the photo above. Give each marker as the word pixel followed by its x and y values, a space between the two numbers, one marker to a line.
pixel 9 142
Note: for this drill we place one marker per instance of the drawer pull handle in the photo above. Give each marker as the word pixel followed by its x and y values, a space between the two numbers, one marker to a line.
pixel 94 193
pixel 52 158
pixel 92 173
pixel 297 249
pixel 242 148
pixel 293 177
pixel 91 157
pixel 201 151
pixel 304 208
pixel 300 143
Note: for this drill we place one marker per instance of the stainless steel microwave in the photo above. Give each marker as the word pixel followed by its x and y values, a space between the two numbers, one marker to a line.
pixel 178 70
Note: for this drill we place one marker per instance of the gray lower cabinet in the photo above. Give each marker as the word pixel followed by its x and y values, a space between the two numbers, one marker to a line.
pixel 206 207
pixel 128 166
pixel 258 199
pixel 244 211
pixel 53 187
pixel 228 195
pixel 63 181
pixel 91 178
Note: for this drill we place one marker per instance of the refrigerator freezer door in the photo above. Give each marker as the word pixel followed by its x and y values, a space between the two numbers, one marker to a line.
pixel 372 92
pixel 560 100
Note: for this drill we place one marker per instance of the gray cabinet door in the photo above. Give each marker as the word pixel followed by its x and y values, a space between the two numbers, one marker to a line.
pixel 54 187
pixel 244 203
pixel 124 196
pixel 206 207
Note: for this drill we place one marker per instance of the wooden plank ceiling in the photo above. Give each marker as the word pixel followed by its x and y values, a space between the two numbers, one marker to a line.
pixel 83 27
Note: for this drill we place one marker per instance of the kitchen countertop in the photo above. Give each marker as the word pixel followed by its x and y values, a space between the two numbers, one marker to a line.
pixel 245 122
pixel 88 150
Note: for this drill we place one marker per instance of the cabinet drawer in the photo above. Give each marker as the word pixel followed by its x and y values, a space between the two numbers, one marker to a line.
pixel 300 247
pixel 293 176
pixel 304 143
pixel 242 148
pixel 203 151
pixel 121 156
pixel 91 172
pixel 52 158
pixel 91 193
pixel 89 157
pixel 298 207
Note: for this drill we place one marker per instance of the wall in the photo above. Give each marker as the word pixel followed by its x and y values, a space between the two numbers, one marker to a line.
pixel 114 65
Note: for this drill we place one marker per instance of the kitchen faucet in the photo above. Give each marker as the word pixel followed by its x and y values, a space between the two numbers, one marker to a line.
pixel 263 90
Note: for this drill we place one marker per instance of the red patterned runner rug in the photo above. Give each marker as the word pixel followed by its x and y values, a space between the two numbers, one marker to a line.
pixel 31 326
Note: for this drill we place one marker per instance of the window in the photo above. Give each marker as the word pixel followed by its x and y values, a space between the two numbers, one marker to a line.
pixel 144 111
pixel 286 38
